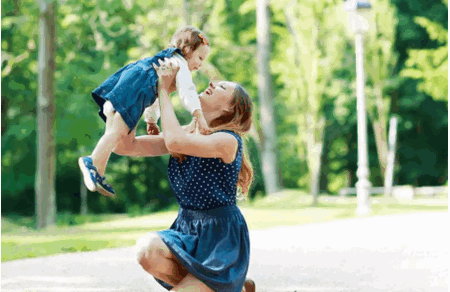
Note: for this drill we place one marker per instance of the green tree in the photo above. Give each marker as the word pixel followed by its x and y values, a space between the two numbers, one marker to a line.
pixel 381 61
pixel 313 51
pixel 430 65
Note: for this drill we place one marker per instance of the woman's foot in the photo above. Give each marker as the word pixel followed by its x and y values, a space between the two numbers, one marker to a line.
pixel 249 286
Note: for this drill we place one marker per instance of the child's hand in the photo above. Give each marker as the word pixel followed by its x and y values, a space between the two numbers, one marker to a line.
pixel 152 128
pixel 202 125
pixel 191 127
pixel 166 71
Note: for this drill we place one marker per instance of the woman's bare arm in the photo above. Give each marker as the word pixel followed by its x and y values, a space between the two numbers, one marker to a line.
pixel 146 145
pixel 218 145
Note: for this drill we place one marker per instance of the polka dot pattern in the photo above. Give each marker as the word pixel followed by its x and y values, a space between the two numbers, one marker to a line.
pixel 205 183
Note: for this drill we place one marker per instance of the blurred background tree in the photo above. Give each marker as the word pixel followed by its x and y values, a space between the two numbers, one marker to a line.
pixel 381 60
pixel 430 65
pixel 308 63
pixel 312 71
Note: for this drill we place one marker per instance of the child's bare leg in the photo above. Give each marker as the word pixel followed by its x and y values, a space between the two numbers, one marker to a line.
pixel 116 130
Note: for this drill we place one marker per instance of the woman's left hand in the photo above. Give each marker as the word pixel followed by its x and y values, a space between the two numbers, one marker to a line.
pixel 166 71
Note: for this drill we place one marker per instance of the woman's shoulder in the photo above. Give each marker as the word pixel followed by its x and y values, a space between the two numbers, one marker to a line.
pixel 234 134
pixel 237 135
pixel 234 149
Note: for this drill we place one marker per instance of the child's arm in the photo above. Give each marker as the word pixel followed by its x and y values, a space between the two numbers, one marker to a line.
pixel 188 94
pixel 151 116
pixel 186 87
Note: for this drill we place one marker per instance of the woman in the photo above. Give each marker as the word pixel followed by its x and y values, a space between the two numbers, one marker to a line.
pixel 207 248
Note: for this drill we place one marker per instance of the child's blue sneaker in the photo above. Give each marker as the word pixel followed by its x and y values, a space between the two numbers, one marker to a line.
pixel 89 172
pixel 92 179
pixel 103 187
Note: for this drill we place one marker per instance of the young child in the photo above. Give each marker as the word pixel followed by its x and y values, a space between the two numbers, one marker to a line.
pixel 134 88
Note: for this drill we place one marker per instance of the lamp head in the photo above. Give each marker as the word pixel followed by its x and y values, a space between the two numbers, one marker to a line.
pixel 359 14
pixel 357 5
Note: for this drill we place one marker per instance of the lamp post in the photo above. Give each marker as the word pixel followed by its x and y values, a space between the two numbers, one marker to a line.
pixel 358 11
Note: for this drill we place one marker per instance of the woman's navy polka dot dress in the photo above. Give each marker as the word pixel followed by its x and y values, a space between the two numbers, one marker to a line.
pixel 210 236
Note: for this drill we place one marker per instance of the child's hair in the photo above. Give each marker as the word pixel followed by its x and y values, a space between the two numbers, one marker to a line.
pixel 188 39
pixel 239 120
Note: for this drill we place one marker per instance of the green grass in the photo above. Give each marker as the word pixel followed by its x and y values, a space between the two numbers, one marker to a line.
pixel 292 207
pixel 20 240
pixel 289 207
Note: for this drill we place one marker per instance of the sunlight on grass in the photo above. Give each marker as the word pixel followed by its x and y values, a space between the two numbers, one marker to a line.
pixel 288 207
pixel 34 244
pixel 10 226
pixel 293 207
pixel 160 219
pixel 15 250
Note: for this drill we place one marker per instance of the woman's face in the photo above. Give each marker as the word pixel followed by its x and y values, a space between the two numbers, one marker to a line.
pixel 217 96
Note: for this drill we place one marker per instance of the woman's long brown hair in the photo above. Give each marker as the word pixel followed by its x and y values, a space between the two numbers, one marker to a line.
pixel 239 120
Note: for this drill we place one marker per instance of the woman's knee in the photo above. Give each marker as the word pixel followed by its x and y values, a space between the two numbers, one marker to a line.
pixel 149 248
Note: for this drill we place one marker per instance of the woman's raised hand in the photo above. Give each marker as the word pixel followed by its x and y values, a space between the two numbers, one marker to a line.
pixel 166 71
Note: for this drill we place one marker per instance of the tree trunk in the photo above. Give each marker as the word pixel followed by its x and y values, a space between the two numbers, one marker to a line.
pixel 83 197
pixel 314 141
pixel 269 141
pixel 185 13
pixel 315 175
pixel 380 129
pixel 46 152
pixel 388 179
pixel 325 168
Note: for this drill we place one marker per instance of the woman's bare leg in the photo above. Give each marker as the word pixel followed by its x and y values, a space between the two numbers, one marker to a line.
pixel 191 284
pixel 157 259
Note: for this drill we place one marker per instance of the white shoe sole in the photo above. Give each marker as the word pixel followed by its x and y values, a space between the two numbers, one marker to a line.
pixel 104 192
pixel 87 176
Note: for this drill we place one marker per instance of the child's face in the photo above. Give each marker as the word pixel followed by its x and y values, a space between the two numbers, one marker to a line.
pixel 195 60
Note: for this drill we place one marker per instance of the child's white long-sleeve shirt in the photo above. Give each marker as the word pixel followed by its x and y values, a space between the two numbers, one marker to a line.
pixel 186 90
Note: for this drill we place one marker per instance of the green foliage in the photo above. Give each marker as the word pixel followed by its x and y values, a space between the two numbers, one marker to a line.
pixel 313 73
pixel 430 65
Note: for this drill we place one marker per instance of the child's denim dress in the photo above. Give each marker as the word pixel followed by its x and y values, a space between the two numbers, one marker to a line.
pixel 132 88
pixel 210 237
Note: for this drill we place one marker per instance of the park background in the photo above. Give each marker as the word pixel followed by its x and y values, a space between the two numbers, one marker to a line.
pixel 309 96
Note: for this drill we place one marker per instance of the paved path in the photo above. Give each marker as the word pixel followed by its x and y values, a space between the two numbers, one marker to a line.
pixel 384 253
